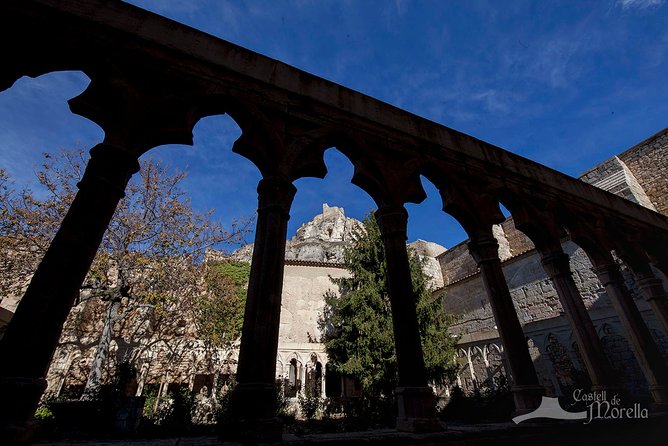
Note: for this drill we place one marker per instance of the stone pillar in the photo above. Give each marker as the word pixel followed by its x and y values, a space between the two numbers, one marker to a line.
pixel 254 395
pixel 474 380
pixel 649 285
pixel 415 399
pixel 302 380
pixel 556 265
pixel 33 333
pixel 488 369
pixel 323 389
pixel 526 390
pixel 645 349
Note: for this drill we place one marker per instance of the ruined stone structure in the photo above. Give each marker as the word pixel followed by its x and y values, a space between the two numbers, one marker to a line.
pixel 152 79
pixel 640 174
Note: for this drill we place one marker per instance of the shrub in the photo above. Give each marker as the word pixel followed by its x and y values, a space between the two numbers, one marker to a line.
pixel 309 404
pixel 487 403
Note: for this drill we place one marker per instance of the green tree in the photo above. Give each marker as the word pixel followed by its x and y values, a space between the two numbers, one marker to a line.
pixel 220 312
pixel 357 323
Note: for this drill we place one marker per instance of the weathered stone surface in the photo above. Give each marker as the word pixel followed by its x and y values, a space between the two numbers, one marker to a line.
pixel 304 287
pixel 428 251
pixel 323 238
pixel 319 240
pixel 615 176
pixel 644 166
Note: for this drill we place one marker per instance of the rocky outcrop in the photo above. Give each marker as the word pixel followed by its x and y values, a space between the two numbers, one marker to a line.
pixel 319 240
pixel 428 251
pixel 324 238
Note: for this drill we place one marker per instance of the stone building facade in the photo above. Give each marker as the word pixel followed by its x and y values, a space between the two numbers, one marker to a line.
pixel 314 256
pixel 640 174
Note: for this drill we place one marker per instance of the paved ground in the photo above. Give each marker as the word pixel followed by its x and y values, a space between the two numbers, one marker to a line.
pixel 648 432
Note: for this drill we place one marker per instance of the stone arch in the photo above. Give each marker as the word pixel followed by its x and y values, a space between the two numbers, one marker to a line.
pixel 306 152
pixel 472 207
pixel 280 370
pixel 259 142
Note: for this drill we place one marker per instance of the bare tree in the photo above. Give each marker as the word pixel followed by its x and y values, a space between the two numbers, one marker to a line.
pixel 148 277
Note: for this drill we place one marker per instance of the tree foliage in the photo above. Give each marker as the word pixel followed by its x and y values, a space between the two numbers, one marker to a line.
pixel 220 311
pixel 148 275
pixel 357 322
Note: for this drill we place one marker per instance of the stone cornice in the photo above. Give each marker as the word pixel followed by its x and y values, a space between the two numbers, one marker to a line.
pixel 312 263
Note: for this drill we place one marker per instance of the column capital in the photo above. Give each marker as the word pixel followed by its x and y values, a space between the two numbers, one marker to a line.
pixel 484 250
pixel 275 194
pixel 654 287
pixel 555 263
pixel 608 273
pixel 109 166
pixel 392 221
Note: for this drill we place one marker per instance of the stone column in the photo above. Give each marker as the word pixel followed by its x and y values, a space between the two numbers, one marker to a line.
pixel 526 390
pixel 302 380
pixel 323 389
pixel 649 285
pixel 415 399
pixel 488 368
pixel 33 333
pixel 474 380
pixel 645 349
pixel 556 265
pixel 254 395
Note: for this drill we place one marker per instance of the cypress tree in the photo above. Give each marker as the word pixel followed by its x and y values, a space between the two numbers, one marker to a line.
pixel 357 322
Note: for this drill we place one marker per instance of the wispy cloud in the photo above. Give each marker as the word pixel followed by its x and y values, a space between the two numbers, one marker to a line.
pixel 640 4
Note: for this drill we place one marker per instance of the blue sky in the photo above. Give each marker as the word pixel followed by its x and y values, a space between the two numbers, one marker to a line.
pixel 567 84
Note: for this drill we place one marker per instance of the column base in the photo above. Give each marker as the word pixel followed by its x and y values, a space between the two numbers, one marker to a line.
pixel 252 414
pixel 20 397
pixel 527 398
pixel 260 430
pixel 417 410
pixel 18 433
pixel 660 396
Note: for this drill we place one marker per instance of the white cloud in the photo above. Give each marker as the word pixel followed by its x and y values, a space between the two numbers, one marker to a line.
pixel 639 4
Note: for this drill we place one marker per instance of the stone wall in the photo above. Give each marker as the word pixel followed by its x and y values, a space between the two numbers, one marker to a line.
pixel 303 300
pixel 645 168
pixel 428 252
pixel 532 291
pixel 641 175
pixel 456 263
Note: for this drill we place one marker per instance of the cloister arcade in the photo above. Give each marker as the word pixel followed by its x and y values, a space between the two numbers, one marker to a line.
pixel 152 79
